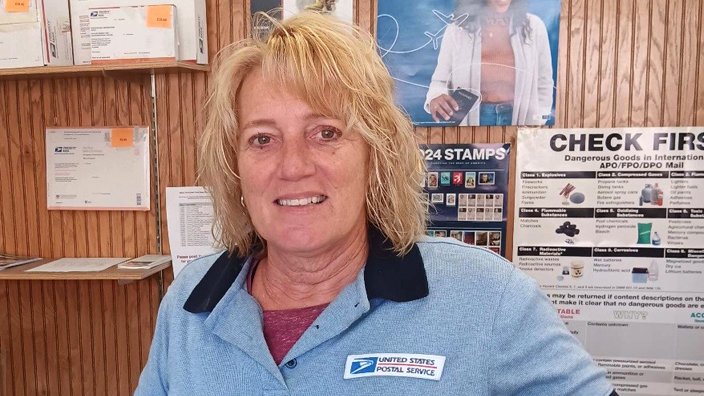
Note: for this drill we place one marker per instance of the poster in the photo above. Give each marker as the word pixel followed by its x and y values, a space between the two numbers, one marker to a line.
pixel 610 222
pixel 189 219
pixel 260 25
pixel 467 185
pixel 98 168
pixel 496 60
pixel 342 9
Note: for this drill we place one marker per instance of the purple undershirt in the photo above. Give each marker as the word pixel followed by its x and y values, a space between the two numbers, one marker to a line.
pixel 282 328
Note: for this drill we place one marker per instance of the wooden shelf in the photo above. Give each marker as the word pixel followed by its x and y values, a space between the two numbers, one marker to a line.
pixel 112 273
pixel 106 70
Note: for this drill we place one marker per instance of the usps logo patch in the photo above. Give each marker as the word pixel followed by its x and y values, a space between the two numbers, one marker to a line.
pixel 363 365
pixel 395 365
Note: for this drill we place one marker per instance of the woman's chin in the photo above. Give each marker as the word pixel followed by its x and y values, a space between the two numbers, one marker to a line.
pixel 298 240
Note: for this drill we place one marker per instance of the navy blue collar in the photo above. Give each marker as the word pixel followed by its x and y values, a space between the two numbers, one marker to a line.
pixel 386 275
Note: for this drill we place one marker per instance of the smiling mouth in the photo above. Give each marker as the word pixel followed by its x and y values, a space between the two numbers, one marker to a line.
pixel 303 201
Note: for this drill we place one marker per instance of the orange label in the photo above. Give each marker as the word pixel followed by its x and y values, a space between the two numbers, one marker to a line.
pixel 17 5
pixel 159 16
pixel 122 137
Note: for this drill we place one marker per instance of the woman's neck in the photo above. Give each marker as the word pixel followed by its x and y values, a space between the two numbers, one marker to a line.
pixel 288 281
pixel 495 15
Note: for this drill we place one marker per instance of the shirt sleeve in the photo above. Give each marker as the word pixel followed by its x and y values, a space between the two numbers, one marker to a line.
pixel 443 71
pixel 545 81
pixel 533 353
pixel 153 381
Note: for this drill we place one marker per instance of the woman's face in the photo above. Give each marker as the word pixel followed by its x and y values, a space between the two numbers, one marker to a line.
pixel 303 176
pixel 499 6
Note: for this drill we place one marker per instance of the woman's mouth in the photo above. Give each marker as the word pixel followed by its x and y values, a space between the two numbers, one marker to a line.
pixel 302 201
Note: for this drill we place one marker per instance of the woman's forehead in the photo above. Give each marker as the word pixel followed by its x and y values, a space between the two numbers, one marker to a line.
pixel 259 91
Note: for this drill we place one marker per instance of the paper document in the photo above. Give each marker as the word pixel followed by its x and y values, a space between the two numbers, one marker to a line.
pixel 145 262
pixel 8 261
pixel 189 217
pixel 78 265
pixel 98 168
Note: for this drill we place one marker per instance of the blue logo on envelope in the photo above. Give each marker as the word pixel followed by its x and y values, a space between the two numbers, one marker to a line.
pixel 363 365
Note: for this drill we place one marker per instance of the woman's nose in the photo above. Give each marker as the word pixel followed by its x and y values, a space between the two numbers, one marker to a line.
pixel 296 161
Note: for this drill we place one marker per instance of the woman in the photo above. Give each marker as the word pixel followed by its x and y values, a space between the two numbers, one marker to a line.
pixel 500 51
pixel 317 5
pixel 326 286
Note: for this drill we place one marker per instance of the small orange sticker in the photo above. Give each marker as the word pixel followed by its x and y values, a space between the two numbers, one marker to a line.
pixel 17 5
pixel 159 16
pixel 122 137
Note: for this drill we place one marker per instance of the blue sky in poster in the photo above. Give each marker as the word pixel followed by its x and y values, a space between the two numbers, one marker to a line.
pixel 411 57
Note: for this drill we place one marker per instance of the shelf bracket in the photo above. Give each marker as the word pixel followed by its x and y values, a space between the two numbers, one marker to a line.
pixel 156 178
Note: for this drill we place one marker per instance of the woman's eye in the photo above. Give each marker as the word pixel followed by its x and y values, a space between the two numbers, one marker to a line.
pixel 261 140
pixel 329 134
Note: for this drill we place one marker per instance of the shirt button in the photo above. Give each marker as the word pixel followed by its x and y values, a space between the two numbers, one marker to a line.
pixel 292 363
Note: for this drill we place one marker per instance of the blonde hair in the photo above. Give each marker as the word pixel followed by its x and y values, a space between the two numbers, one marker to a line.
pixel 336 69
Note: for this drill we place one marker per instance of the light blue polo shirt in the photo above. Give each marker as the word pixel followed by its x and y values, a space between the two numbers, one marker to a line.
pixel 495 329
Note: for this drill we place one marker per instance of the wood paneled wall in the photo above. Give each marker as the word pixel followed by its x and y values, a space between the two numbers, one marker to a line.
pixel 621 63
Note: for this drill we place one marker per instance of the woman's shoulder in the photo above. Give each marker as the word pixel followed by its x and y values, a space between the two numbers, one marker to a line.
pixel 461 276
pixel 447 258
pixel 454 30
pixel 536 23
pixel 534 19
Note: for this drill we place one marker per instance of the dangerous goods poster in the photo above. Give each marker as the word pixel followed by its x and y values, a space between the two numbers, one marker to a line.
pixel 610 222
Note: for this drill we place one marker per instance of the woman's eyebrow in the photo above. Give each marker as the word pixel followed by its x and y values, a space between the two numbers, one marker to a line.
pixel 316 116
pixel 259 122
